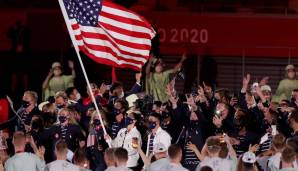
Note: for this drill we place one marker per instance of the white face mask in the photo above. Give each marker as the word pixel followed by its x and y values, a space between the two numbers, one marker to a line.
pixel 121 95
pixel 78 96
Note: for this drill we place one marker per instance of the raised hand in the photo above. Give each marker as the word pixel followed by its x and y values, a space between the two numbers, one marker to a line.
pixel 192 147
pixel 217 121
pixel 190 100
pixel 258 90
pixel 246 81
pixel 40 152
pixel 138 77
pixel 51 73
pixel 170 88
pixel 184 56
pixel 201 90
pixel 253 148
pixel 71 64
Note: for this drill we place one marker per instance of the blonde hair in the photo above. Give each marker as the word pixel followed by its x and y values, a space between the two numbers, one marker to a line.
pixel 103 116
pixel 50 107
pixel 69 117
pixel 61 94
pixel 33 94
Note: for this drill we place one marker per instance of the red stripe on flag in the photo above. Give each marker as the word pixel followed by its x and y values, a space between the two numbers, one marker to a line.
pixel 124 43
pixel 107 61
pixel 119 41
pixel 126 32
pixel 112 5
pixel 123 19
pixel 110 51
pixel 103 37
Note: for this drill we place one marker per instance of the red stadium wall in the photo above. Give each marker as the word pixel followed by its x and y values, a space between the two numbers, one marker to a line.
pixel 212 34
pixel 230 35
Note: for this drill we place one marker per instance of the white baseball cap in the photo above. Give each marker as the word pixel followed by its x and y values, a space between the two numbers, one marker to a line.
pixel 56 64
pixel 42 104
pixel 131 99
pixel 266 88
pixel 249 157
pixel 290 66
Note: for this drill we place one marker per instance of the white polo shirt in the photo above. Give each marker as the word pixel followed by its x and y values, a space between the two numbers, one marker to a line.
pixel 124 139
pixel 162 137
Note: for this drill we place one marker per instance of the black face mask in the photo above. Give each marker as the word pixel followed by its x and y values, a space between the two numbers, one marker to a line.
pixel 60 106
pixel 62 119
pixel 25 104
pixel 194 123
pixel 96 122
pixel 151 125
pixel 35 125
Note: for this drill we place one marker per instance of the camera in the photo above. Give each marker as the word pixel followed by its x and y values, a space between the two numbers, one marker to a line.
pixel 145 104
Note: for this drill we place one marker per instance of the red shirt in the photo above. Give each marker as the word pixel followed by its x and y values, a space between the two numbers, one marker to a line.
pixel 3 110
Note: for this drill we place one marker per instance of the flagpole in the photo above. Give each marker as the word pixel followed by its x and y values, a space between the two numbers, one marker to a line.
pixel 72 37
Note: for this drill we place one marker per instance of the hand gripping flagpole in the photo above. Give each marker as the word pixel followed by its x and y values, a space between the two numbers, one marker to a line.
pixel 72 37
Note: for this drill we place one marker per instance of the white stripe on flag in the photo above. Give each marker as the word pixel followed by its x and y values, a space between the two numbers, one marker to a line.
pixel 109 56
pixel 120 13
pixel 108 44
pixel 125 26
pixel 101 31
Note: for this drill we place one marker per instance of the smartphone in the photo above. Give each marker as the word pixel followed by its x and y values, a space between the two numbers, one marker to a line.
pixel 274 130
pixel 218 113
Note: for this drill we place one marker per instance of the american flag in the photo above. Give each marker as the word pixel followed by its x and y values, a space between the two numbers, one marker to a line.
pixel 110 34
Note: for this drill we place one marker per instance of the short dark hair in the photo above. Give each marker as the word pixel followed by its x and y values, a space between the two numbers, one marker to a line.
pixel 115 85
pixel 121 154
pixel 293 143
pixel 224 151
pixel 123 103
pixel 288 155
pixel 80 156
pixel 157 103
pixel 174 151
pixel 286 101
pixel 156 115
pixel 109 154
pixel 69 91
pixel 206 168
